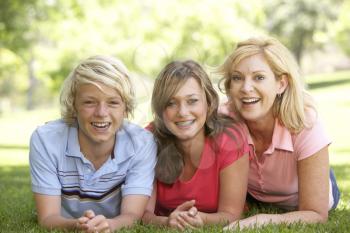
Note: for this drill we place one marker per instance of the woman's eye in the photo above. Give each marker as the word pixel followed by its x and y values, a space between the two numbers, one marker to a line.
pixel 114 103
pixel 192 101
pixel 259 77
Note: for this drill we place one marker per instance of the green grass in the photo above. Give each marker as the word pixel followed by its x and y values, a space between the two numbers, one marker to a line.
pixel 17 212
pixel 16 127
pixel 331 92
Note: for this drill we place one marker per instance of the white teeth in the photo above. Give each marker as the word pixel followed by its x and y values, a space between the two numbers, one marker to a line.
pixel 250 100
pixel 184 123
pixel 100 124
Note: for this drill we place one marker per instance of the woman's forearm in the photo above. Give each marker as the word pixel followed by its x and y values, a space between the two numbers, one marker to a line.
pixel 304 216
pixel 218 217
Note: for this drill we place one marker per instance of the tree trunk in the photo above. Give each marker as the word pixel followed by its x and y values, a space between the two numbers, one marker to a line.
pixel 298 49
pixel 32 83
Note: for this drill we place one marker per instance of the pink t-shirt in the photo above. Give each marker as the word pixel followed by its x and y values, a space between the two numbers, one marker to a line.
pixel 274 177
pixel 204 186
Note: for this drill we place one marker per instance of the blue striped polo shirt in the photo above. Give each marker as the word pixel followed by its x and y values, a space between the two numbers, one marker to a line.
pixel 59 168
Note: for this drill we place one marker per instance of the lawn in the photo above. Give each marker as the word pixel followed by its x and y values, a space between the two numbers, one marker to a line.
pixel 17 214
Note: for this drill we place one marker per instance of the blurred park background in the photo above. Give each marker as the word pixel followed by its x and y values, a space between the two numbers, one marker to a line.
pixel 42 40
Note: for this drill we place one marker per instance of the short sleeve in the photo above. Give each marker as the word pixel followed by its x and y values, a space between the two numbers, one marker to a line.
pixel 140 176
pixel 311 140
pixel 42 168
pixel 150 127
pixel 233 146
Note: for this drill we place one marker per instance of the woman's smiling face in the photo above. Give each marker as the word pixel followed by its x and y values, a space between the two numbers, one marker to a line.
pixel 254 87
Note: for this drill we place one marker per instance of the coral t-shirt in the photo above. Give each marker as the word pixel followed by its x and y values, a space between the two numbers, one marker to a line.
pixel 204 186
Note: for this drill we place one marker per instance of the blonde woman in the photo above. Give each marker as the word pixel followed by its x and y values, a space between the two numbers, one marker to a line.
pixel 92 170
pixel 289 164
pixel 202 167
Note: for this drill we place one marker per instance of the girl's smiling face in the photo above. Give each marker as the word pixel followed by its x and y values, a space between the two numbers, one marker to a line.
pixel 186 112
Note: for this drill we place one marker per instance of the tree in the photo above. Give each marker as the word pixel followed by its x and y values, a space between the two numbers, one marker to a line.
pixel 20 32
pixel 143 34
pixel 148 34
pixel 342 27
pixel 296 22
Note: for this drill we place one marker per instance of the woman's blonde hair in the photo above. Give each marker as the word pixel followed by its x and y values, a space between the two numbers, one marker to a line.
pixel 291 107
pixel 169 81
pixel 96 70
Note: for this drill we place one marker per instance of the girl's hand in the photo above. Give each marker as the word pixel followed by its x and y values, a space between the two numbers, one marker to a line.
pixel 191 218
pixel 175 220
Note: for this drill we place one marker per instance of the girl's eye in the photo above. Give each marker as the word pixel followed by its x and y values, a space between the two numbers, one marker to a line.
pixel 88 102
pixel 171 104
pixel 236 78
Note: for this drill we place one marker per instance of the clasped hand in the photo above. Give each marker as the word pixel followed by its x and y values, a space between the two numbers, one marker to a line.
pixel 185 216
pixel 91 223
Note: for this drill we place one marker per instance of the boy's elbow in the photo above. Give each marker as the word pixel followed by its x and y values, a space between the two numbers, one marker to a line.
pixel 42 223
pixel 133 217
pixel 323 217
pixel 146 218
pixel 46 223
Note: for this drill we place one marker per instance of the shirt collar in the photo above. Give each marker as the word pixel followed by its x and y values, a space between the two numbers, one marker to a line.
pixel 123 149
pixel 73 147
pixel 125 145
pixel 281 139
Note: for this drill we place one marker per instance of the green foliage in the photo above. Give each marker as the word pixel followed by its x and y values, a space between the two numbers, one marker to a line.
pixel 342 27
pixel 11 73
pixel 20 20
pixel 50 37
pixel 12 81
pixel 145 35
pixel 298 22
pixel 21 25
pixel 15 20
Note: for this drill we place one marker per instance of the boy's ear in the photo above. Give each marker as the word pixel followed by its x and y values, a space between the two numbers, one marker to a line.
pixel 125 113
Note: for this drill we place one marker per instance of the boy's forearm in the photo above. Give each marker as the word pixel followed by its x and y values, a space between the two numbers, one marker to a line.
pixel 58 222
pixel 151 218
